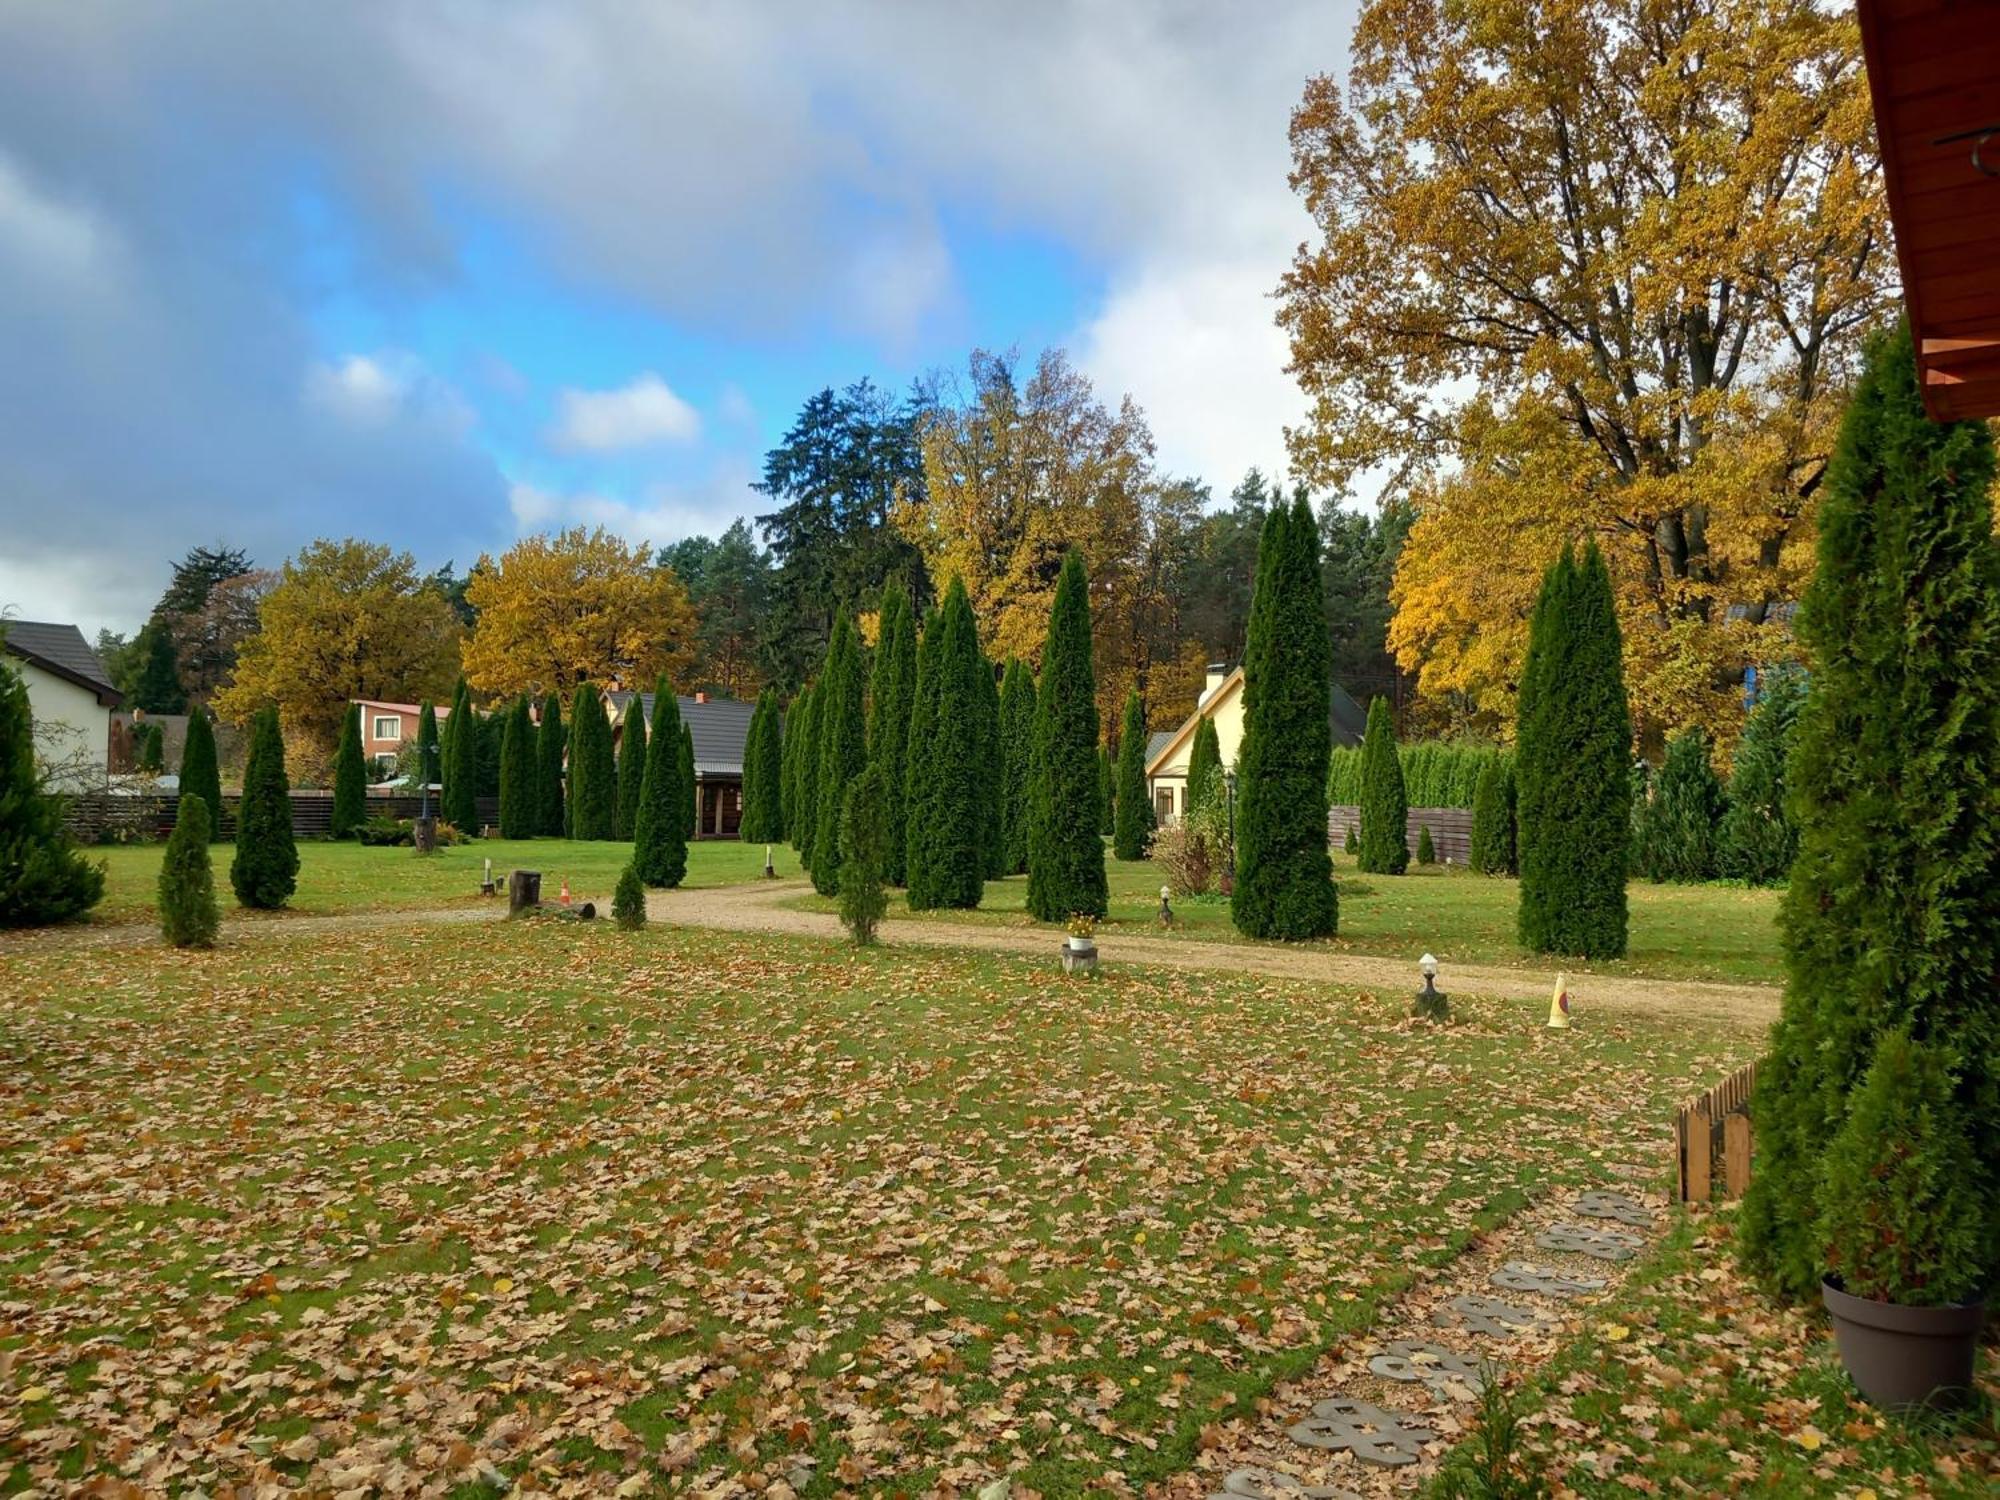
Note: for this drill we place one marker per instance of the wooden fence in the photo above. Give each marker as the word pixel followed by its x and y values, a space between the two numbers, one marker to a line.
pixel 1451 830
pixel 1713 1127
pixel 97 817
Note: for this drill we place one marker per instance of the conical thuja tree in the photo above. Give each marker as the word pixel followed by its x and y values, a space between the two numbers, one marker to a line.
pixel 1759 838
pixel 1492 851
pixel 1891 920
pixel 551 744
pixel 1385 804
pixel 763 771
pixel 1133 824
pixel 43 878
pixel 350 776
pixel 188 918
pixel 430 750
pixel 631 768
pixel 992 781
pixel 201 774
pixel 749 819
pixel 461 767
pixel 1017 753
pixel 946 815
pixel 520 796
pixel 1066 769
pixel 659 848
pixel 1284 879
pixel 891 692
pixel 593 773
pixel 863 844
pixel 1204 761
pixel 843 733
pixel 1573 767
pixel 690 791
pixel 266 868
pixel 806 823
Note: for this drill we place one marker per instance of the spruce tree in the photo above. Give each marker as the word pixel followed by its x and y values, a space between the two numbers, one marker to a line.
pixel 200 773
pixel 807 828
pixel 158 690
pixel 947 818
pixel 520 787
pixel 350 776
pixel 1759 839
pixel 188 917
pixel 1385 806
pixel 461 769
pixel 690 790
pixel 659 847
pixel 265 871
pixel 1573 767
pixel 843 750
pixel 43 878
pixel 1204 759
pixel 1066 766
pixel 1017 752
pixel 1133 829
pixel 1679 824
pixel 631 768
pixel 862 846
pixel 890 693
pixel 1284 871
pixel 1891 920
pixel 550 745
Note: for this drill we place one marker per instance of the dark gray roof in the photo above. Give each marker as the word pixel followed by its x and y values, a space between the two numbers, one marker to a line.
pixel 1348 719
pixel 1157 741
pixel 60 649
pixel 720 726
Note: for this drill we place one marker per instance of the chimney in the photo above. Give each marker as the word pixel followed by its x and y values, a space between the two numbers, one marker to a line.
pixel 701 697
pixel 1218 673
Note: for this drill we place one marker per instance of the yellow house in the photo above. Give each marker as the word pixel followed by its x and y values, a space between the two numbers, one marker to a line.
pixel 1222 700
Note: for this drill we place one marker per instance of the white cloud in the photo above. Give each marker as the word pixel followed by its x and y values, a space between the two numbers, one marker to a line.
pixel 639 415
pixel 374 391
pixel 664 514
pixel 52 237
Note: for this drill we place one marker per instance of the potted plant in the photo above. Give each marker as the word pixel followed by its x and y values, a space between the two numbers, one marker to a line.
pixel 1080 947
pixel 1904 1233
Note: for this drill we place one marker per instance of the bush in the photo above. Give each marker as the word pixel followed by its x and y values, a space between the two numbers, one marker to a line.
pixel 863 849
pixel 1195 851
pixel 1426 850
pixel 200 773
pixel 188 918
pixel 628 901
pixel 1067 769
pixel 1677 824
pixel 265 870
pixel 1759 838
pixel 1489 1464
pixel 1352 843
pixel 1134 824
pixel 383 831
pixel 1385 806
pixel 1901 1216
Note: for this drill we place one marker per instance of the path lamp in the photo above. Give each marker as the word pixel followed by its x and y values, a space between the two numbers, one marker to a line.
pixel 1166 906
pixel 1430 1004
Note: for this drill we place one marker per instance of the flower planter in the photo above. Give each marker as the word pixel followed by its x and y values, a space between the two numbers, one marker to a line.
pixel 1906 1357
pixel 1079 955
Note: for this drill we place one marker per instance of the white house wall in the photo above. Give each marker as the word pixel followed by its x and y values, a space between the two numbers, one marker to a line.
pixel 72 729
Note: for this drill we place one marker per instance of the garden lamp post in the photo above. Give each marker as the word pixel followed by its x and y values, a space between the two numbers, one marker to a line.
pixel 1430 1004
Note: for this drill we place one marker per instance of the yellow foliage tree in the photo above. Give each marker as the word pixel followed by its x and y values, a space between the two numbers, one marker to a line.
pixel 347 619
pixel 1589 267
pixel 580 606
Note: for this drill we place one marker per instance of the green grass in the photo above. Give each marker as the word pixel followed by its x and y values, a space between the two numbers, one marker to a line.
pixel 1717 932
pixel 346 877
pixel 572 1201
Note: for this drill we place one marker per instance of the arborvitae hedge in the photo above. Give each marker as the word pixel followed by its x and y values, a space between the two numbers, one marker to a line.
pixel 43 879
pixel 461 769
pixel 1573 767
pixel 628 900
pixel 1204 757
pixel 1680 822
pixel 1436 773
pixel 1759 837
pixel 350 776
pixel 520 789
pixel 1017 754
pixel 632 767
pixel 1891 919
pixel 1133 820
pixel 1067 770
pixel 1385 806
pixel 201 775
pixel 659 848
pixel 843 749
pixel 550 745
pixel 863 845
pixel 593 776
pixel 1492 850
pixel 1284 872
pixel 947 816
pixel 188 918
pixel 266 868
pixel 891 693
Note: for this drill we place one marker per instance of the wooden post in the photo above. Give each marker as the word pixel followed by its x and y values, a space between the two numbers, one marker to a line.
pixel 1700 1140
pixel 524 891
pixel 1736 1154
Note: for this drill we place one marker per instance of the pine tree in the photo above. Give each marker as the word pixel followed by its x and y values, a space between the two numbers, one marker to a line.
pixel 520 788
pixel 265 871
pixel 1492 851
pixel 1759 838
pixel 631 768
pixel 200 774
pixel 659 847
pixel 690 789
pixel 1284 879
pixel 461 769
pixel 593 774
pixel 1133 829
pixel 1891 919
pixel 628 900
pixel 1067 769
pixel 947 819
pixel 1385 805
pixel 188 918
pixel 1680 822
pixel 843 749
pixel 807 828
pixel 1017 752
pixel 350 776
pixel 550 744
pixel 890 693
pixel 43 878
pixel 862 848
pixel 1573 768
pixel 1204 759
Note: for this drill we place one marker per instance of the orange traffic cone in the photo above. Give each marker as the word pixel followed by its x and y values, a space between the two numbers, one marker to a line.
pixel 565 902
pixel 1559 1005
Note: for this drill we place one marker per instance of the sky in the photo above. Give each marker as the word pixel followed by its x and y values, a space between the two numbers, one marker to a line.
pixel 442 274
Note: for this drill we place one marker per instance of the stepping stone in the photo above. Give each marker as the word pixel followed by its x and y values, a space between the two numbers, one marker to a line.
pixel 1493 1318
pixel 1602 1205
pixel 1526 1276
pixel 1417 1360
pixel 1582 1239
pixel 1375 1436
pixel 1269 1484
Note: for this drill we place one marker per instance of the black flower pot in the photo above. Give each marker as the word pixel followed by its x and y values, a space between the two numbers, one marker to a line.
pixel 1902 1357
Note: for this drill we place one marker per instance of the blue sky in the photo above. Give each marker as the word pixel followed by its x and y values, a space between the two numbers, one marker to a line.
pixel 438 275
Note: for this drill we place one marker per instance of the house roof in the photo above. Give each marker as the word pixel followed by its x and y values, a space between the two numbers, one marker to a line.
pixel 719 726
pixel 1346 718
pixel 438 710
pixel 61 651
pixel 1157 741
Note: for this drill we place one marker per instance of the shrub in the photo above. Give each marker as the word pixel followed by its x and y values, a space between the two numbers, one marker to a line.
pixel 1195 851
pixel 1678 823
pixel 200 772
pixel 1385 806
pixel 383 831
pixel 1489 1464
pixel 265 870
pixel 842 748
pixel 1067 769
pixel 1133 827
pixel 863 848
pixel 1426 850
pixel 152 756
pixel 1759 838
pixel 1352 843
pixel 43 879
pixel 891 691
pixel 350 776
pixel 628 900
pixel 659 848
pixel 188 918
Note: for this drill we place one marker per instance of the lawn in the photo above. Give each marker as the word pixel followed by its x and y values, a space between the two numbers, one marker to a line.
pixel 346 877
pixel 548 1201
pixel 1717 932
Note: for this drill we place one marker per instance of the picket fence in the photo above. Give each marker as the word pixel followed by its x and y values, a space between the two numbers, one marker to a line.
pixel 1713 1127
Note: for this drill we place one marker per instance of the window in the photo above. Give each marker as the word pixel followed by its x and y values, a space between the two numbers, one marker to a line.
pixel 388 727
pixel 386 759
